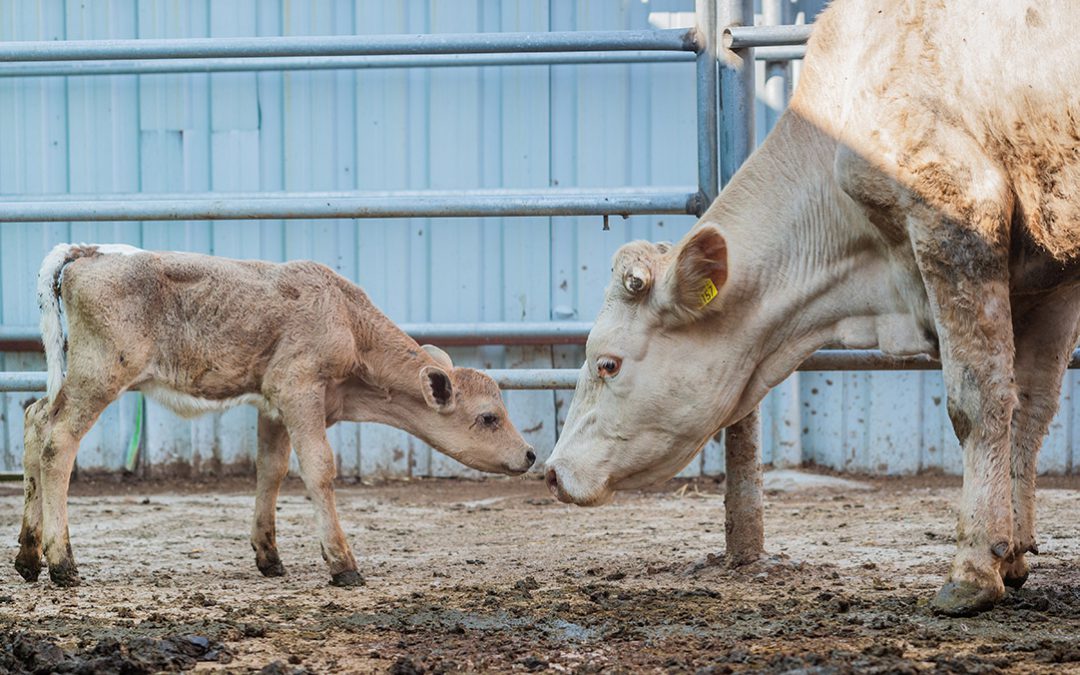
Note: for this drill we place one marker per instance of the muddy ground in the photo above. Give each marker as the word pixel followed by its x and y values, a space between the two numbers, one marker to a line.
pixel 495 577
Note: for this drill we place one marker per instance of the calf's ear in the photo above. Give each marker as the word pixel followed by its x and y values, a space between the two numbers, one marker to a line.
pixel 441 357
pixel 437 388
pixel 699 270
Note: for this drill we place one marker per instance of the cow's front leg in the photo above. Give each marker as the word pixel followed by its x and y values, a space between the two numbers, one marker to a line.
pixel 962 253
pixel 305 417
pixel 271 467
pixel 1045 333
pixel 28 561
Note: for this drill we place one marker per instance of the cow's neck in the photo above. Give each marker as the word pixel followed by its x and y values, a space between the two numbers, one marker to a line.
pixel 807 267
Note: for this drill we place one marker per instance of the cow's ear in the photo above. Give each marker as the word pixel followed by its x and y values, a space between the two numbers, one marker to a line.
pixel 437 388
pixel 699 269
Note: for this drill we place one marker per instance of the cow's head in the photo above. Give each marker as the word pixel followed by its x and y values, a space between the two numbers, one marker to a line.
pixel 656 383
pixel 466 419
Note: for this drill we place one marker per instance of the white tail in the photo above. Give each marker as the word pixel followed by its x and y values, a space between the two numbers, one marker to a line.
pixel 52 333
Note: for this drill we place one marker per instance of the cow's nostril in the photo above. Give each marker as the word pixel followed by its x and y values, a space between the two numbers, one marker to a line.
pixel 531 456
pixel 552 480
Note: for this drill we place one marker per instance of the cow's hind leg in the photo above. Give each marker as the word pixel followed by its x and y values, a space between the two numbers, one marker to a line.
pixel 271 466
pixel 958 223
pixel 1045 335
pixel 28 561
pixel 305 417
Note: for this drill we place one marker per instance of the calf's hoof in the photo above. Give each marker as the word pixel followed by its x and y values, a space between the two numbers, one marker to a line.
pixel 271 567
pixel 963 598
pixel 346 579
pixel 65 574
pixel 1015 582
pixel 1014 571
pixel 28 567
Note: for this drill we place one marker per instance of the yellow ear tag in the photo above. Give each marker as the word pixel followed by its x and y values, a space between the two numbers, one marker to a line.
pixel 707 293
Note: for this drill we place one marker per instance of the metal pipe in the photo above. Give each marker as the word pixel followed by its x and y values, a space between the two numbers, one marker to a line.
pixel 348 45
pixel 179 66
pixel 707 116
pixel 777 73
pixel 736 93
pixel 305 63
pixel 745 35
pixel 28 338
pixel 159 67
pixel 507 333
pixel 779 53
pixel 826 360
pixel 403 204
pixel 547 378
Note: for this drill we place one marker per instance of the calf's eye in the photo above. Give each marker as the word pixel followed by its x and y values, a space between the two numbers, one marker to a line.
pixel 487 420
pixel 608 366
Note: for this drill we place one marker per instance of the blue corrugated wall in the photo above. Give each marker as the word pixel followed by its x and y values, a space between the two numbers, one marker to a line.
pixel 515 127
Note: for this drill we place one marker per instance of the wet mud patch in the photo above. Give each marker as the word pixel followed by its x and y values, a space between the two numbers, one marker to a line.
pixel 22 652
pixel 496 577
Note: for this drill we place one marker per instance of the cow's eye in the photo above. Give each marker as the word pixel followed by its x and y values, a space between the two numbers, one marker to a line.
pixel 608 366
pixel 489 420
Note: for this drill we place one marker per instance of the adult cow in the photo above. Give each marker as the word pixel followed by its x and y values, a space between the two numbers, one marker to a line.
pixel 199 333
pixel 916 198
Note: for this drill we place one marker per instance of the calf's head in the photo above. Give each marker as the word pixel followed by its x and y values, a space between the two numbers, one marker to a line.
pixel 465 418
pixel 656 383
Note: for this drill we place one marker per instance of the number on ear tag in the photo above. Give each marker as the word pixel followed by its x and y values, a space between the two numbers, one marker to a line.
pixel 707 293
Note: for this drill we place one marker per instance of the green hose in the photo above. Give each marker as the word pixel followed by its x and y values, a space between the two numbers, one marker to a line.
pixel 136 436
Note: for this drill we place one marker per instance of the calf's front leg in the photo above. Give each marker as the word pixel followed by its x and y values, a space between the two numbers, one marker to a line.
pixel 305 418
pixel 271 467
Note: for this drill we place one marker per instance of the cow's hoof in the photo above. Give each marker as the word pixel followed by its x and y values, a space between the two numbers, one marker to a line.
pixel 28 568
pixel 65 574
pixel 346 579
pixel 963 598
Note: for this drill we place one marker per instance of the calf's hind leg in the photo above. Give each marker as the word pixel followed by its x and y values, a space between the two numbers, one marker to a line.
pixel 1045 334
pixel 77 406
pixel 271 466
pixel 28 561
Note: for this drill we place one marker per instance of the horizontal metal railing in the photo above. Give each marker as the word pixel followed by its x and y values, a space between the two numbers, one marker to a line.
pixel 359 204
pixel 301 63
pixel 827 360
pixel 349 45
pixel 744 37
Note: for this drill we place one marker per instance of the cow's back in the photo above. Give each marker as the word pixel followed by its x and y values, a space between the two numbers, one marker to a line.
pixel 893 81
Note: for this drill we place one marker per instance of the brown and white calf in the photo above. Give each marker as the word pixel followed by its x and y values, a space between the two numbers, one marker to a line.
pixel 920 196
pixel 199 333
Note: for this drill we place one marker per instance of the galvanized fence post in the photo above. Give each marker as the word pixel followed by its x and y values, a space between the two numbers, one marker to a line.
pixel 705 36
pixel 742 446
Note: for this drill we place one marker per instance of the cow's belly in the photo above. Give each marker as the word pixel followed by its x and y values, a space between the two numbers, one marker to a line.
pixel 1034 270
pixel 189 405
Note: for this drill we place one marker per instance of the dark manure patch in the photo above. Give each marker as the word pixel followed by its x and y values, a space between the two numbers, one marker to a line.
pixel 26 652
